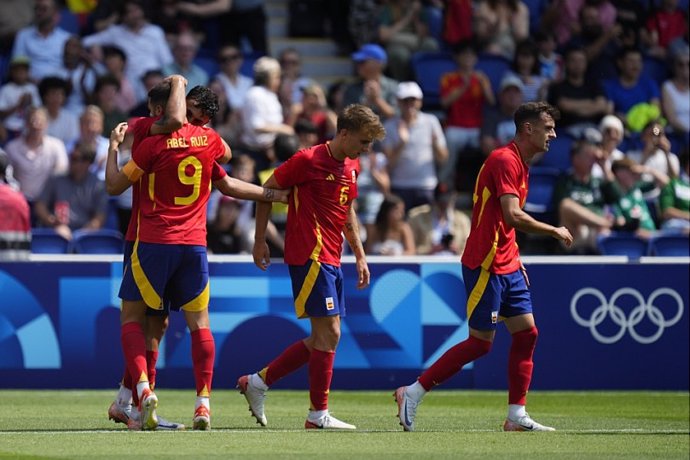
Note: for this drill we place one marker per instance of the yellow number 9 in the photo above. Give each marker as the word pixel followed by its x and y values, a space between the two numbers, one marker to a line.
pixel 194 180
pixel 344 191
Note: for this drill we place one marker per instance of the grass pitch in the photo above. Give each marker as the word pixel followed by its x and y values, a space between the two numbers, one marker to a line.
pixel 450 424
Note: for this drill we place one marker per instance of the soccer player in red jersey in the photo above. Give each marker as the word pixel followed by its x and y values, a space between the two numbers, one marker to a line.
pixel 169 254
pixel 494 277
pixel 166 116
pixel 323 179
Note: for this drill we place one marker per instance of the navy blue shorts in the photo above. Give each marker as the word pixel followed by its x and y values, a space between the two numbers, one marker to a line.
pixel 317 289
pixel 129 246
pixel 492 296
pixel 176 273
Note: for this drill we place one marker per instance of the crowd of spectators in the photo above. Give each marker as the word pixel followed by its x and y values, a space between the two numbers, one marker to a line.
pixel 616 69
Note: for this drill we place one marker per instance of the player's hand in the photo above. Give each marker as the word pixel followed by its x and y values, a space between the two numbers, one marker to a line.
pixel 563 234
pixel 117 135
pixel 261 254
pixel 363 275
pixel 180 78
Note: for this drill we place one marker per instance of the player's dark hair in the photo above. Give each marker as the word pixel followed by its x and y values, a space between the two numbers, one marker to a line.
pixel 205 99
pixel 531 112
pixel 285 146
pixel 159 94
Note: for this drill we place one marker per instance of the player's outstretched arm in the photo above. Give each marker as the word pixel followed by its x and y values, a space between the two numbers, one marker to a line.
pixel 175 110
pixel 242 190
pixel 514 216
pixel 351 231
pixel 116 181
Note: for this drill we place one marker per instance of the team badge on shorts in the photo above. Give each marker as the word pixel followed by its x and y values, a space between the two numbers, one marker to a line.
pixel 494 317
pixel 330 305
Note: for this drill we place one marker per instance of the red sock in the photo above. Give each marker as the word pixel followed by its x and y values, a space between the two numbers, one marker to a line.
pixel 291 359
pixel 452 361
pixel 203 355
pixel 320 374
pixel 151 358
pixel 134 350
pixel 520 365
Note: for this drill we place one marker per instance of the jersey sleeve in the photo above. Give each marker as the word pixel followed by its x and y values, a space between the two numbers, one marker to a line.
pixel 217 173
pixel 216 145
pixel 506 176
pixel 293 171
pixel 143 156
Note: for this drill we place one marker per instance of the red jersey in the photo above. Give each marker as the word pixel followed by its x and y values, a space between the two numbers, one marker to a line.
pixel 176 171
pixel 140 128
pixel 466 111
pixel 323 191
pixel 491 243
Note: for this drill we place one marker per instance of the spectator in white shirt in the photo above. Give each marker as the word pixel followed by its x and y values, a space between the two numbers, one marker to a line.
pixel 143 43
pixel 16 96
pixel 35 156
pixel 234 83
pixel 43 42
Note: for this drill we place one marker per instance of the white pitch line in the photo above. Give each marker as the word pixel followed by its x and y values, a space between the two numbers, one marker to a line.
pixel 262 431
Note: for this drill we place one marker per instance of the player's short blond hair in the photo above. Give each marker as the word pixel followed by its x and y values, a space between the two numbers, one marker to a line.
pixel 360 118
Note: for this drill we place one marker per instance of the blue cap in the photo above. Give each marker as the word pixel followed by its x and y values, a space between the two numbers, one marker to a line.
pixel 370 51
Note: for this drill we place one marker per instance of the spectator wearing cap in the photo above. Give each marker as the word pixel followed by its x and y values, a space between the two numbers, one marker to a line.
pixel 611 134
pixel 35 156
pixel 440 228
pixel 372 88
pixel 403 30
pixel 76 200
pixel 15 218
pixel 498 126
pixel 581 101
pixel 16 96
pixel 62 123
pixel 43 42
pixel 415 147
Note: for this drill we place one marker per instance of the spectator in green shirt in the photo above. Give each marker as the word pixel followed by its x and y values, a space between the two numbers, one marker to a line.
pixel 581 199
pixel 632 206
pixel 674 201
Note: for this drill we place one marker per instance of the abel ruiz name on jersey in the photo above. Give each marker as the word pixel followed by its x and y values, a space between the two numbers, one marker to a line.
pixel 183 143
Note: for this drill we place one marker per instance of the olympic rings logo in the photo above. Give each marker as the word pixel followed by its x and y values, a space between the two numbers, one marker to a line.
pixel 609 309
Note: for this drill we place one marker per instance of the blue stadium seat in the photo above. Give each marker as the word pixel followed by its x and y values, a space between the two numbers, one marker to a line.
pixel 542 181
pixel 558 156
pixel 69 21
pixel 248 64
pixel 47 241
pixel 536 8
pixel 669 246
pixel 494 67
pixel 103 241
pixel 428 69
pixel 622 244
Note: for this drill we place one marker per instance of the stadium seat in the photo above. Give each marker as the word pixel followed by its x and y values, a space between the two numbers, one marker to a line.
pixel 669 246
pixel 47 241
pixel 428 69
pixel 69 21
pixel 248 64
pixel 542 181
pixel 536 8
pixel 558 156
pixel 494 67
pixel 103 241
pixel 622 244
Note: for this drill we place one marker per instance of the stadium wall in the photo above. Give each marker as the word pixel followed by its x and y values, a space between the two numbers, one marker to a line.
pixel 605 323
